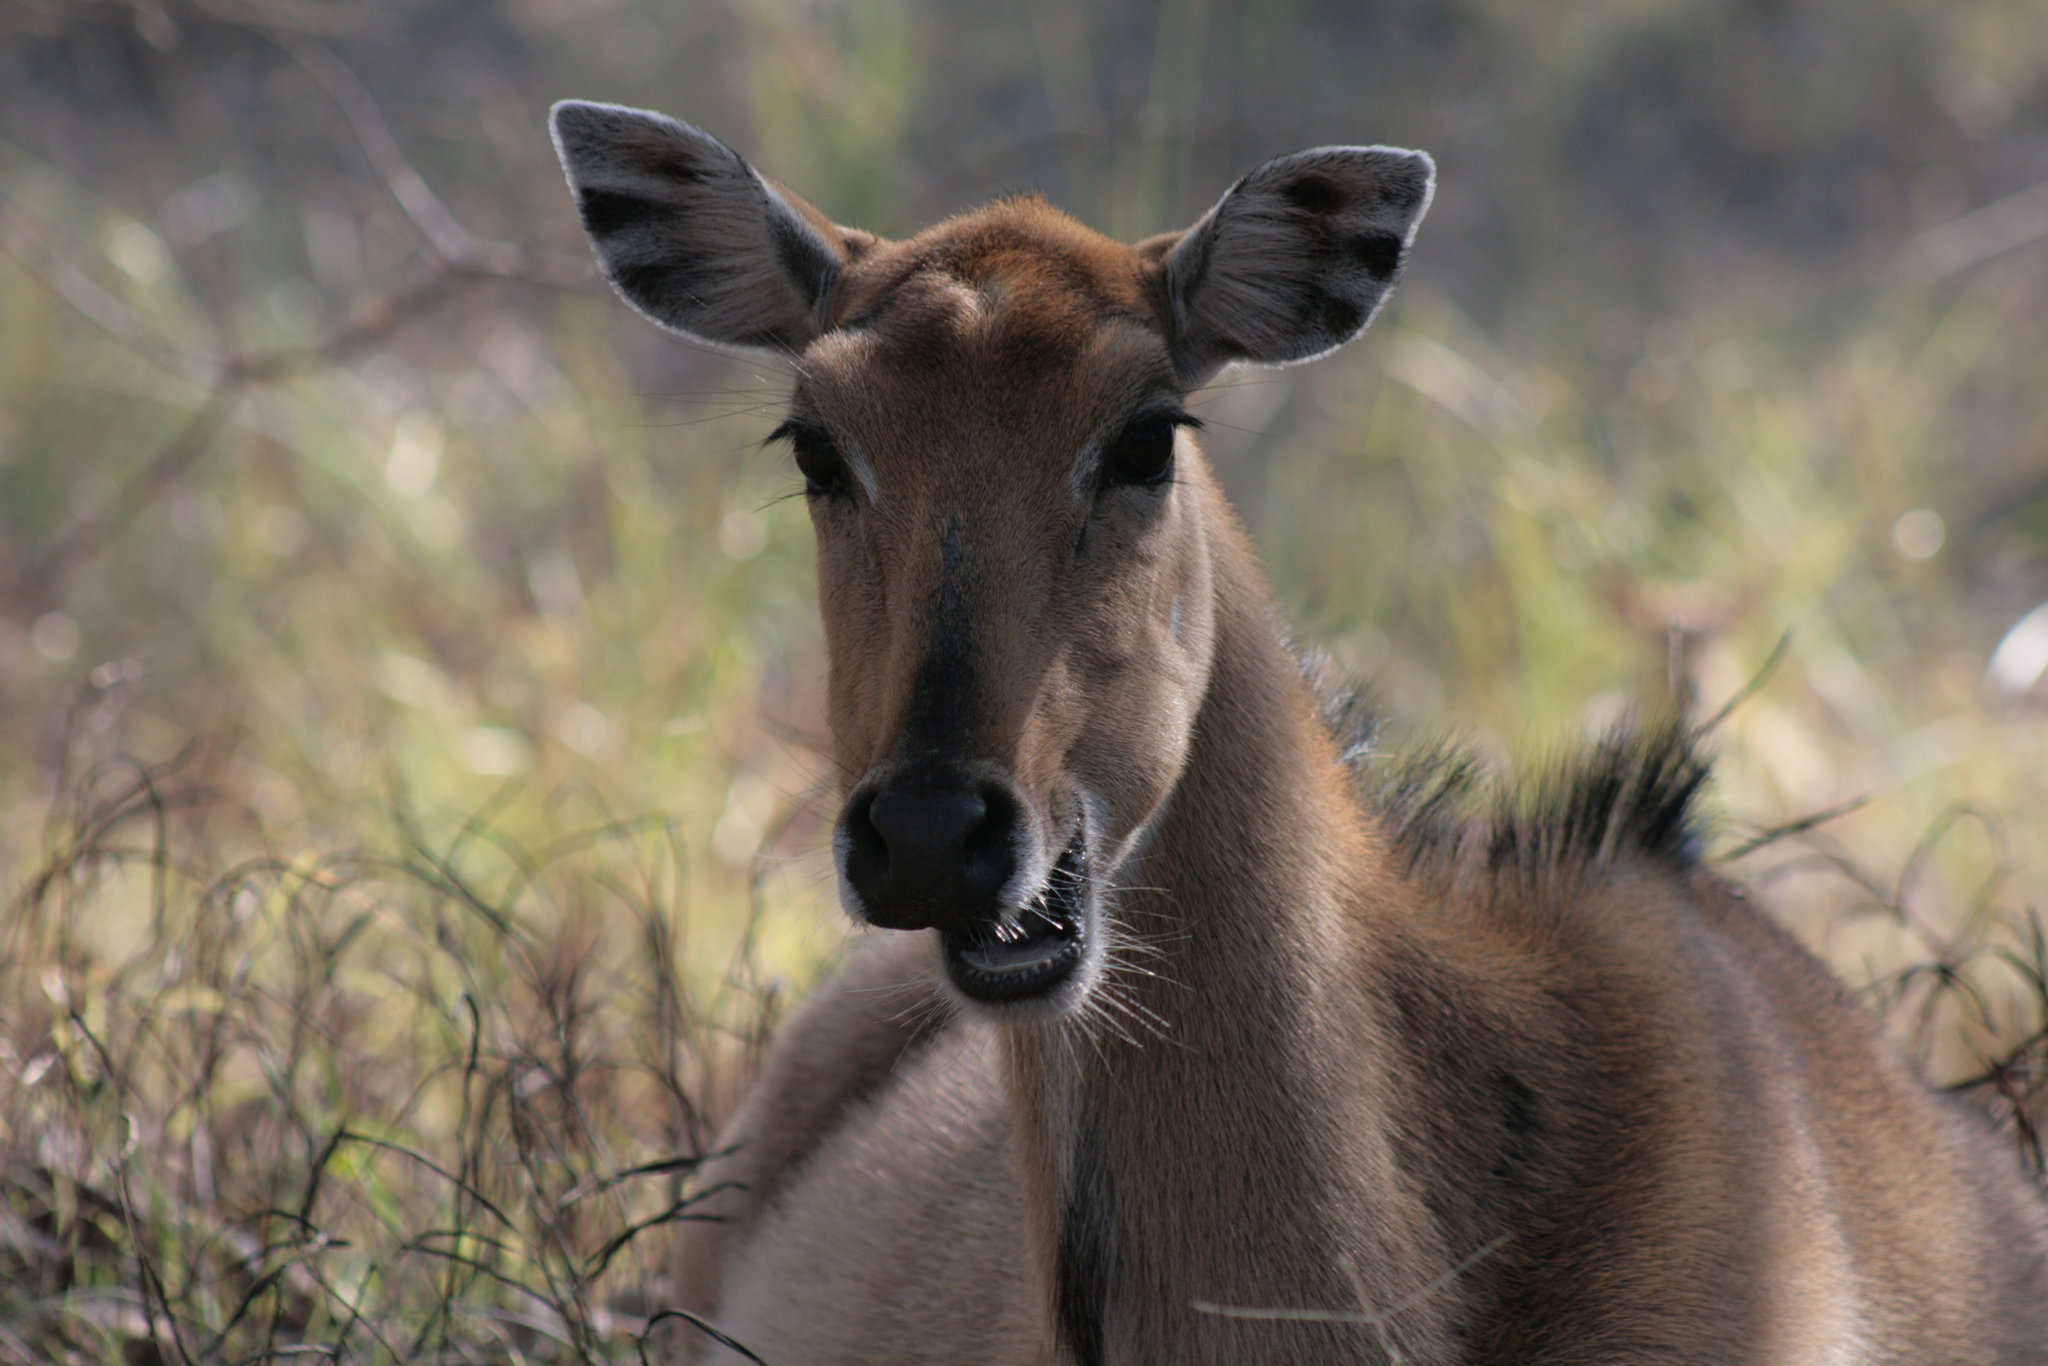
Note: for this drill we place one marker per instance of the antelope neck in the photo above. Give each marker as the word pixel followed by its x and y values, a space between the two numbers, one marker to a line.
pixel 1195 1160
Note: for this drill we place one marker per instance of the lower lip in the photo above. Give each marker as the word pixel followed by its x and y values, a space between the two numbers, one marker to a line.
pixel 1045 954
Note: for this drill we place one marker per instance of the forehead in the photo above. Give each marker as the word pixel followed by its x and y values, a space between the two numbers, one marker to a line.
pixel 1013 305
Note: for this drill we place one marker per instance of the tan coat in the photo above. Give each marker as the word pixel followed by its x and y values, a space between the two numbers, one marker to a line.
pixel 1213 1047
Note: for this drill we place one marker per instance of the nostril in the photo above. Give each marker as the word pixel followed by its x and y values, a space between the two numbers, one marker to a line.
pixel 988 854
pixel 867 851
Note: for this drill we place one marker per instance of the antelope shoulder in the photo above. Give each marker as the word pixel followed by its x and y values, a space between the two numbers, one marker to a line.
pixel 869 1179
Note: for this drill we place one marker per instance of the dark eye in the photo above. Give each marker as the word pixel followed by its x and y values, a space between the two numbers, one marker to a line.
pixel 817 459
pixel 1143 451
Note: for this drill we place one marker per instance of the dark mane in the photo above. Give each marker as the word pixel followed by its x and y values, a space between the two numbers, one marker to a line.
pixel 1632 794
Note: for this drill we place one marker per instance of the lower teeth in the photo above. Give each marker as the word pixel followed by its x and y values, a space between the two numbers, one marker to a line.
pixel 1027 948
pixel 1012 957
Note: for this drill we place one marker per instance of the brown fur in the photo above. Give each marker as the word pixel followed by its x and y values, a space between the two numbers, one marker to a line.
pixel 1360 1075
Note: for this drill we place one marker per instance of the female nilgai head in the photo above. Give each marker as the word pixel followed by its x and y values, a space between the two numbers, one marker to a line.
pixel 1013 520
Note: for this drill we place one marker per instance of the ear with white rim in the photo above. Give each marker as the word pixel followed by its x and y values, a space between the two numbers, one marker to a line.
pixel 1295 260
pixel 691 235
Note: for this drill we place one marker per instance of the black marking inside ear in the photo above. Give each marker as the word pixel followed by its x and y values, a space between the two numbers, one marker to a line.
pixel 667 288
pixel 606 212
pixel 1379 252
pixel 1340 317
pixel 1087 1268
pixel 1312 193
pixel 802 255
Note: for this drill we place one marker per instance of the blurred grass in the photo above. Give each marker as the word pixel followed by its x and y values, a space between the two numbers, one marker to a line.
pixel 412 792
pixel 401 1106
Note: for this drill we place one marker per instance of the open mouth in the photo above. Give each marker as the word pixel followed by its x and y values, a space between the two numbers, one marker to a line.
pixel 1016 959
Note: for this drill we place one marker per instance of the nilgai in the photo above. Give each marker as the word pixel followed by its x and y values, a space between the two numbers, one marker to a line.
pixel 1186 1036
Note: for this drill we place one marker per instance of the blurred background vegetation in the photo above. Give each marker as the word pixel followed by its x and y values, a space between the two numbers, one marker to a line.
pixel 412 804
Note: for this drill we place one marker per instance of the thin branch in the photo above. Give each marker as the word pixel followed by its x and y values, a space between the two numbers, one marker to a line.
pixel 483 1201
pixel 703 1326
pixel 1791 828
pixel 1755 683
pixel 22 238
pixel 676 1213
pixel 455 258
pixel 447 240
pixel 1953 247
pixel 88 535
pixel 448 243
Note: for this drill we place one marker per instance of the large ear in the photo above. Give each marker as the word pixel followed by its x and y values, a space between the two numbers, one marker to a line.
pixel 1296 258
pixel 691 236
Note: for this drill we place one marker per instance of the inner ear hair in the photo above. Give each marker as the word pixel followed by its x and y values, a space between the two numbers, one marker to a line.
pixel 1296 259
pixel 691 235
